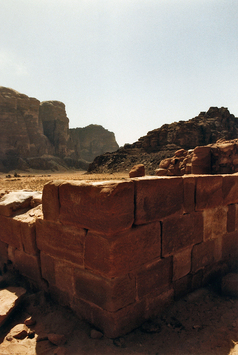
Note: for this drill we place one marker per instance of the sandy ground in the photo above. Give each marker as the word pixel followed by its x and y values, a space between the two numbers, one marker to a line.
pixel 202 323
pixel 36 181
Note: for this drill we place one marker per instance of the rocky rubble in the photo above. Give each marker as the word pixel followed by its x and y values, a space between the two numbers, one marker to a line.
pixel 218 158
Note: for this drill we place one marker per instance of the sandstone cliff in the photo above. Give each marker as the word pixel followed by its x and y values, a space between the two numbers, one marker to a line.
pixel 161 143
pixel 36 135
pixel 91 141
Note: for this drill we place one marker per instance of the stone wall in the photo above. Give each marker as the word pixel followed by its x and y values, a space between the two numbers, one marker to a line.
pixel 119 252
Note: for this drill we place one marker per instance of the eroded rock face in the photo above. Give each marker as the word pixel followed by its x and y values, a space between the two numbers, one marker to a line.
pixel 21 131
pixel 88 142
pixel 206 128
pixel 55 125
pixel 36 135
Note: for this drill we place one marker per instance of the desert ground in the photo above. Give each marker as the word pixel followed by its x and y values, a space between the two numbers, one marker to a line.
pixel 36 180
pixel 202 323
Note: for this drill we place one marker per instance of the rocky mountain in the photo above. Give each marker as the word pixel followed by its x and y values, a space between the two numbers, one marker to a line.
pixel 206 128
pixel 36 135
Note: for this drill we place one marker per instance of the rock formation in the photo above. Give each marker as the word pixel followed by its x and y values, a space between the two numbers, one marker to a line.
pixel 161 143
pixel 90 141
pixel 37 135
pixel 218 158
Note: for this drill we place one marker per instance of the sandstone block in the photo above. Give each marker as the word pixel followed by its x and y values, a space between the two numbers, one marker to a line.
pixel 208 192
pixel 230 246
pixel 3 253
pixel 104 207
pixel 215 222
pixel 182 263
pixel 62 241
pixel 189 184
pixel 64 276
pixel 50 200
pixel 24 228
pixel 10 232
pixel 124 251
pixel 230 189
pixel 157 197
pixel 9 298
pixel 155 276
pixel 28 265
pixel 115 324
pixel 203 255
pixel 47 268
pixel 108 294
pixel 182 286
pixel 15 201
pixel 137 171
pixel 180 232
pixel 231 218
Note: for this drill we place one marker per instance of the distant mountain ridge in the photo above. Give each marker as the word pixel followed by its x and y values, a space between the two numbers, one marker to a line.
pixel 206 128
pixel 36 135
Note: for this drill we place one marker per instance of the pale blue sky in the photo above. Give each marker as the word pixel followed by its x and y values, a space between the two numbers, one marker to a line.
pixel 129 65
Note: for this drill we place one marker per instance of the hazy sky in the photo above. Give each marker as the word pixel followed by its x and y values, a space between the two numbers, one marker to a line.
pixel 128 65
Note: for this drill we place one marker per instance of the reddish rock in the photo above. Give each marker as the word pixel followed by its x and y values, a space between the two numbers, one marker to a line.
pixel 201 160
pixel 137 171
pixel 208 192
pixel 95 334
pixel 155 276
pixel 182 263
pixel 29 321
pixel 100 206
pixel 180 232
pixel 156 198
pixel 109 294
pixel 9 300
pixel 123 252
pixel 50 200
pixel 62 241
pixel 203 254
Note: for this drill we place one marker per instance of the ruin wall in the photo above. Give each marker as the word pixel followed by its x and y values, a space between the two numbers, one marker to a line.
pixel 118 252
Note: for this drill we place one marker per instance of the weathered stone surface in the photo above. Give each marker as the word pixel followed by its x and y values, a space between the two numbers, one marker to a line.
pixel 15 201
pixel 9 299
pixel 28 265
pixel 215 222
pixel 19 331
pixel 50 200
pixel 201 160
pixel 157 197
pixel 230 189
pixel 155 276
pixel 230 246
pixel 101 206
pixel 122 252
pixel 208 192
pixel 231 218
pixel 110 295
pixel 137 171
pixel 62 241
pixel 181 263
pixel 180 232
pixel 189 185
pixel 203 254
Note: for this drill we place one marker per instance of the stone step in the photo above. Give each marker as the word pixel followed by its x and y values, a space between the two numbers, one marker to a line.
pixel 10 298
